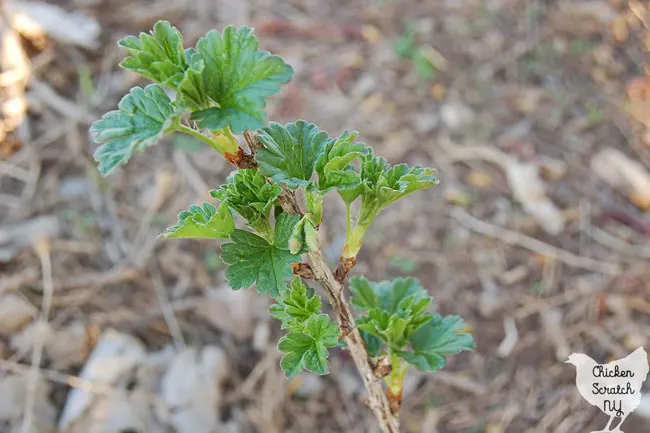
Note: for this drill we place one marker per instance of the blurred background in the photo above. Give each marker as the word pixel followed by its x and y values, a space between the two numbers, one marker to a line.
pixel 533 111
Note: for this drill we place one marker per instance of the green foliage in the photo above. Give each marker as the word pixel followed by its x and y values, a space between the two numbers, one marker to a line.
pixel 249 194
pixel 251 258
pixel 237 77
pixel 435 340
pixel 397 317
pixel 202 222
pixel 296 306
pixel 290 152
pixel 305 237
pixel 384 185
pixel 143 117
pixel 334 167
pixel 158 56
pixel 308 349
pixel 223 84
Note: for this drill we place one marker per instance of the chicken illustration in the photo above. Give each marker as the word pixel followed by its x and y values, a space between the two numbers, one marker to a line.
pixel 614 388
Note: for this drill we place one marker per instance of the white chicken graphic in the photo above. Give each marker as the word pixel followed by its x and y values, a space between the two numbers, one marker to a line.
pixel 614 388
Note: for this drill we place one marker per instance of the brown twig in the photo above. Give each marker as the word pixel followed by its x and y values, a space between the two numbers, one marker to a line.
pixel 377 400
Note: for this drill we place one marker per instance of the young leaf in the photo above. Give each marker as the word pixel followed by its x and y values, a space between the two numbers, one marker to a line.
pixel 238 77
pixel 158 56
pixel 296 306
pixel 334 167
pixel 396 309
pixel 250 195
pixel 305 237
pixel 383 185
pixel 202 222
pixel 373 343
pixel 364 297
pixel 144 117
pixel 252 258
pixel 438 338
pixel 322 329
pixel 290 152
pixel 309 350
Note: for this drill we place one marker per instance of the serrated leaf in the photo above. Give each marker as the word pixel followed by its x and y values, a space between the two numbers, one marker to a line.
pixel 252 258
pixel 334 167
pixel 296 306
pixel 396 309
pixel 205 222
pixel 305 237
pixel 158 55
pixel 309 350
pixel 373 343
pixel 437 339
pixel 384 185
pixel 364 297
pixel 238 78
pixel 143 117
pixel 249 194
pixel 290 152
pixel 392 293
pixel 322 329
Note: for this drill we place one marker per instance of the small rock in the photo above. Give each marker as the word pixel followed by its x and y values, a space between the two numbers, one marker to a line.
pixel 456 115
pixel 308 385
pixel 35 20
pixel 626 175
pixel 112 359
pixel 233 311
pixel 425 122
pixel 73 187
pixel 191 388
pixel 553 169
pixel 27 233
pixel 13 394
pixel 15 312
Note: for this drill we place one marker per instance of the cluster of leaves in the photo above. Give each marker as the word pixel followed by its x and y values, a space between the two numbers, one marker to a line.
pixel 310 332
pixel 222 84
pixel 398 319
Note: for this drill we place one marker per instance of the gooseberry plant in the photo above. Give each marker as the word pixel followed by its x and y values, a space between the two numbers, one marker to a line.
pixel 216 92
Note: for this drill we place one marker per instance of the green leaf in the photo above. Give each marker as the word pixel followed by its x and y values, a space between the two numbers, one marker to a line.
pixel 304 237
pixel 437 339
pixel 290 152
pixel 252 258
pixel 143 117
pixel 373 343
pixel 296 306
pixel 334 167
pixel 322 329
pixel 158 56
pixel 384 185
pixel 202 222
pixel 249 194
pixel 396 309
pixel 364 297
pixel 238 77
pixel 191 89
pixel 308 350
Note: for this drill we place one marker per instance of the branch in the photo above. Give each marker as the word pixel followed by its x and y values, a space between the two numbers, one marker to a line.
pixel 377 400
